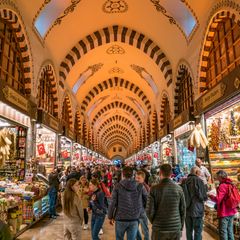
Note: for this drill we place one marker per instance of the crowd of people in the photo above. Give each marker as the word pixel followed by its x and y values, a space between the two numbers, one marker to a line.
pixel 132 197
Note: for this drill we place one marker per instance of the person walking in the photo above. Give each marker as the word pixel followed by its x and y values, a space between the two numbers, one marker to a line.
pixel 72 211
pixel 195 195
pixel 53 193
pixel 166 208
pixel 99 208
pixel 224 212
pixel 143 220
pixel 84 195
pixel 128 199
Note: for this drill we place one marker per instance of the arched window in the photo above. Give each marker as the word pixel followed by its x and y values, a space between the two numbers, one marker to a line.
pixel 184 91
pixel 46 93
pixel 66 118
pixel 11 62
pixel 224 54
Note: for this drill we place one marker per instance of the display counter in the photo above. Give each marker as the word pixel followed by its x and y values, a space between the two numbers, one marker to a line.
pixel 22 204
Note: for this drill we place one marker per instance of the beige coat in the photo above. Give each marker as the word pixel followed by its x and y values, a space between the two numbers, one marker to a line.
pixel 76 212
pixel 83 193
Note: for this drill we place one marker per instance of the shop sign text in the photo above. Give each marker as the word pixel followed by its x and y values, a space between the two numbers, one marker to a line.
pixel 15 98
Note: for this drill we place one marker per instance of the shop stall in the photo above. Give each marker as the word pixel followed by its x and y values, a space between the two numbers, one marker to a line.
pixel 16 113
pixel 183 126
pixel 76 154
pixel 166 154
pixel 47 129
pixel 219 111
pixel 65 152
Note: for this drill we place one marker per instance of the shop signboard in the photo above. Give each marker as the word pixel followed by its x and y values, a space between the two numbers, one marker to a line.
pixel 163 132
pixel 182 118
pixel 14 99
pixel 228 87
pixel 48 120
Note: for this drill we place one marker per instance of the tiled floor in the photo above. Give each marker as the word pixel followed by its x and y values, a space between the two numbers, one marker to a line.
pixel 53 230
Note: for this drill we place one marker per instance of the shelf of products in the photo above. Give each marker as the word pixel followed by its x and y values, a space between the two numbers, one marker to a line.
pixel 211 219
pixel 223 131
pixel 66 152
pixel 45 150
pixel 22 204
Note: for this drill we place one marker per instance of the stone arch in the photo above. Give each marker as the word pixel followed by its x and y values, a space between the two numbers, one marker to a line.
pixel 183 66
pixel 165 109
pixel 49 68
pixel 67 99
pixel 220 11
pixel 113 34
pixel 12 17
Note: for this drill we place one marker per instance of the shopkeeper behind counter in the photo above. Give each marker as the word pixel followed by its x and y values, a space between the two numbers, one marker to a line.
pixel 205 174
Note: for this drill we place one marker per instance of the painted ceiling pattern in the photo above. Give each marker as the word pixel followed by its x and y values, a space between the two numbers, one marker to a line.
pixel 115 61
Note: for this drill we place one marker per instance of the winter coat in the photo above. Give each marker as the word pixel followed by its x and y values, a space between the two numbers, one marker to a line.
pixel 222 191
pixel 99 205
pixel 195 195
pixel 53 182
pixel 76 212
pixel 84 195
pixel 166 206
pixel 128 200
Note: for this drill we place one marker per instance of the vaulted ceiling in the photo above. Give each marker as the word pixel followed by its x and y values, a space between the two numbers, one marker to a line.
pixel 117 58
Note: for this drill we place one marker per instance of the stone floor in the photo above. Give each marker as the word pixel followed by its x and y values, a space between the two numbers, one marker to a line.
pixel 53 230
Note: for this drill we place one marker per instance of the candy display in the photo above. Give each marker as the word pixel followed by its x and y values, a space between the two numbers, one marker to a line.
pixel 223 132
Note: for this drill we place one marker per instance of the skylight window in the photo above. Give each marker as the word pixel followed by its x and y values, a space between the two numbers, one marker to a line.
pixel 182 14
pixel 49 14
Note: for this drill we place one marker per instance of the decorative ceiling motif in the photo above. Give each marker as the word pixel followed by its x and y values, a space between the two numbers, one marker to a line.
pixel 116 70
pixel 180 14
pixel 115 6
pixel 115 49
pixel 55 14
pixel 84 76
pixel 162 10
pixel 144 74
pixel 114 34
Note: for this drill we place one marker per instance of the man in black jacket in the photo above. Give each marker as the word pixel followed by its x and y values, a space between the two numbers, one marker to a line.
pixel 166 207
pixel 195 195
pixel 128 199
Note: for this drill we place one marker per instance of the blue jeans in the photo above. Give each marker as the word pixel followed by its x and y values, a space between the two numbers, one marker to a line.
pixel 130 228
pixel 194 224
pixel 96 225
pixel 226 228
pixel 143 221
pixel 52 201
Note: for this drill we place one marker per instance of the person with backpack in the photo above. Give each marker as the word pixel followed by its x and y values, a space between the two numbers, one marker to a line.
pixel 195 195
pixel 128 199
pixel 98 205
pixel 227 201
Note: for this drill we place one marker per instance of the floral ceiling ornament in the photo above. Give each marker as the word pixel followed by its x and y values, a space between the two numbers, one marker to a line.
pixel 67 11
pixel 115 49
pixel 115 6
pixel 161 9
pixel 116 70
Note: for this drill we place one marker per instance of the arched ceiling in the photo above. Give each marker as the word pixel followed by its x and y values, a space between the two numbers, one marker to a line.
pixel 116 57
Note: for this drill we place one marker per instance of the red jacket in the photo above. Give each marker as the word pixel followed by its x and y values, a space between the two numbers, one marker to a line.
pixel 220 199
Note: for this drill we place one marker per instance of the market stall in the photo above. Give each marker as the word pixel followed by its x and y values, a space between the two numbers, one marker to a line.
pixel 183 126
pixel 219 111
pixel 76 154
pixel 47 128
pixel 65 152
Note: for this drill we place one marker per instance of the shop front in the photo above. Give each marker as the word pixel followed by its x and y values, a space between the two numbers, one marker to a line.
pixel 183 126
pixel 76 154
pixel 219 111
pixel 16 113
pixel 66 148
pixel 47 129
pixel 166 146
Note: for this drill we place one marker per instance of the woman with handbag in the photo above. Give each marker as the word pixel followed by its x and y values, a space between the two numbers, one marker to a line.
pixel 98 207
